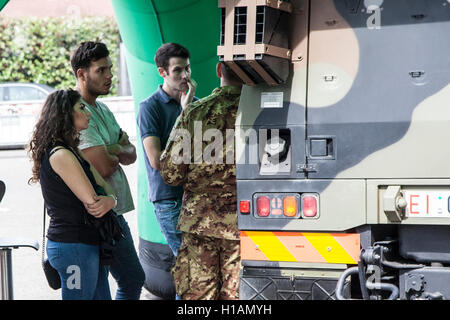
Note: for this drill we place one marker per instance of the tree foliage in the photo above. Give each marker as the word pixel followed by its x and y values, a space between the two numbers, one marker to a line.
pixel 39 49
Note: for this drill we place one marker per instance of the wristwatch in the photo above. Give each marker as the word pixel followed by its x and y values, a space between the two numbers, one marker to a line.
pixel 115 199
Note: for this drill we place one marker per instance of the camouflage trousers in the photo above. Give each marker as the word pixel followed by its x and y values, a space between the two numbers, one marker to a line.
pixel 207 268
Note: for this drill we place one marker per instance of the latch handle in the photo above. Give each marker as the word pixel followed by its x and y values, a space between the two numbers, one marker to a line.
pixel 394 203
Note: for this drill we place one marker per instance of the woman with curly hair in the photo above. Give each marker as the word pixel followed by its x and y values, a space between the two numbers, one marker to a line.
pixel 70 188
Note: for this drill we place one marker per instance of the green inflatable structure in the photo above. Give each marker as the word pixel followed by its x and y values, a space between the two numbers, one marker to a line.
pixel 3 4
pixel 144 26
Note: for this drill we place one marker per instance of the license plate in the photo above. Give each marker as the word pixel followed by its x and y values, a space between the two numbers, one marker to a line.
pixel 427 204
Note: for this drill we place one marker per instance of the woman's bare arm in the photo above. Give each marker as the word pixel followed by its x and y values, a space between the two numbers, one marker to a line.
pixel 65 164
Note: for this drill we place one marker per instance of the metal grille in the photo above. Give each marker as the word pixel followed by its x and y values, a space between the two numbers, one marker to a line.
pixel 284 288
pixel 260 13
pixel 222 26
pixel 240 25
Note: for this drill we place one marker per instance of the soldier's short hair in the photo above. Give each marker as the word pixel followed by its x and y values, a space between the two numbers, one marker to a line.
pixel 229 74
pixel 170 50
pixel 86 53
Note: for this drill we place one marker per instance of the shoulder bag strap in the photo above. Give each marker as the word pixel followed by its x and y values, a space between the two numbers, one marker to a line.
pixel 43 237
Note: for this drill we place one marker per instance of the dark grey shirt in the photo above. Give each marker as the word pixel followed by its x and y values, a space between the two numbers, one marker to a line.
pixel 156 117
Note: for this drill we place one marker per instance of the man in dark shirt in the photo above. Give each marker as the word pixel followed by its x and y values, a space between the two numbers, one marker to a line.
pixel 156 117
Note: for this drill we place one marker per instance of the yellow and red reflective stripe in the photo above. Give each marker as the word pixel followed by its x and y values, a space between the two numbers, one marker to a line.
pixel 300 247
pixel 270 246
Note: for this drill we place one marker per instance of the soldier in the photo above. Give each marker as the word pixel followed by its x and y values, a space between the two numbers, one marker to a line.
pixel 208 261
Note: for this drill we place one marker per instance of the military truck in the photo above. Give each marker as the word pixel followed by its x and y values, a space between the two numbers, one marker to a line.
pixel 343 167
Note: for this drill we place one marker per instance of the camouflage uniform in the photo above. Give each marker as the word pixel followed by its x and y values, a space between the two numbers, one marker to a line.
pixel 208 261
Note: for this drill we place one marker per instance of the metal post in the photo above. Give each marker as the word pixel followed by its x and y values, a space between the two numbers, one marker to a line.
pixel 6 288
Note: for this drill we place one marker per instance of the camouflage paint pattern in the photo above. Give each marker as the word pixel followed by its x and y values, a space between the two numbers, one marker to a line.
pixel 376 89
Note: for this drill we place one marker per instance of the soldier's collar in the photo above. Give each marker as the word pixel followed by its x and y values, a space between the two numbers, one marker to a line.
pixel 229 89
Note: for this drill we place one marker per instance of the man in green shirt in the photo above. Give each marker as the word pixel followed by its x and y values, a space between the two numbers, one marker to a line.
pixel 107 147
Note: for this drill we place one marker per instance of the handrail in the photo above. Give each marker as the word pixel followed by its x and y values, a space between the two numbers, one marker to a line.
pixel 6 280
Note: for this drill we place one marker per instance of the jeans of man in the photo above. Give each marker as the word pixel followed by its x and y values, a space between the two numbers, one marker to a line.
pixel 126 267
pixel 78 265
pixel 167 213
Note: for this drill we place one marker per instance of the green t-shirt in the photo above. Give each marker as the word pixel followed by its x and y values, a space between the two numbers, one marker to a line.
pixel 104 130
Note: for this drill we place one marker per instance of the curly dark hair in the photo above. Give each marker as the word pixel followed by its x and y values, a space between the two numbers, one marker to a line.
pixel 86 53
pixel 55 124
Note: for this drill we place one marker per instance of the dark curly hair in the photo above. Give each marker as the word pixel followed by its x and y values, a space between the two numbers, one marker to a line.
pixel 86 53
pixel 55 124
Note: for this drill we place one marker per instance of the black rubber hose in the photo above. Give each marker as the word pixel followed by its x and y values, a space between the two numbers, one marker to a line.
pixel 362 280
pixel 341 282
pixel 384 286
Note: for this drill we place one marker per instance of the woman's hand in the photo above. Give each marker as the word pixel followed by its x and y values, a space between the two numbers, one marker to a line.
pixel 101 206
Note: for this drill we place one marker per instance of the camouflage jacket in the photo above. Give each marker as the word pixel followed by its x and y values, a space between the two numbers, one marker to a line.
pixel 200 155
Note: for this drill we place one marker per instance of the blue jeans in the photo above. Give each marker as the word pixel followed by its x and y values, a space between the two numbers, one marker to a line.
pixel 167 213
pixel 78 265
pixel 126 267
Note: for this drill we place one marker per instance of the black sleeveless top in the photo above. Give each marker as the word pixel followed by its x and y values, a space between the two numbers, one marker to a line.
pixel 68 216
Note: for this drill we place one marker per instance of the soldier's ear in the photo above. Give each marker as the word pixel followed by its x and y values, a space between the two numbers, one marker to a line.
pixel 219 70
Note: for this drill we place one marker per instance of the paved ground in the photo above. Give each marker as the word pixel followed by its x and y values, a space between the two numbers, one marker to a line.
pixel 21 216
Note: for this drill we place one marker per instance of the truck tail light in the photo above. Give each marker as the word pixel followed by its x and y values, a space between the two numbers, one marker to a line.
pixel 309 206
pixel 263 206
pixel 290 206
pixel 244 206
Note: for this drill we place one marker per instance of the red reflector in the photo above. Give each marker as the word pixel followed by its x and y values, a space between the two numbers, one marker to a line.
pixel 244 206
pixel 263 206
pixel 309 206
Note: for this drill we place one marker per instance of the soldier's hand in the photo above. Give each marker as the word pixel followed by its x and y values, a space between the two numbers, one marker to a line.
pixel 187 97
